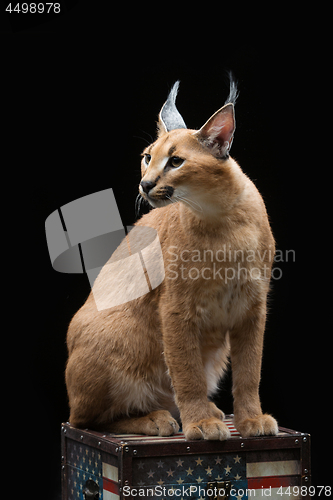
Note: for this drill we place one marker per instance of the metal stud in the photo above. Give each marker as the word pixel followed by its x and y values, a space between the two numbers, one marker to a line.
pixel 188 448
pixel 126 449
pixel 304 439
pixel 296 441
pixel 306 471
pixel 242 445
pixel 81 437
pixel 135 452
pixel 99 443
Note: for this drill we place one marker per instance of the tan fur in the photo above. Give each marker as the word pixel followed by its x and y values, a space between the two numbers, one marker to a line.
pixel 140 366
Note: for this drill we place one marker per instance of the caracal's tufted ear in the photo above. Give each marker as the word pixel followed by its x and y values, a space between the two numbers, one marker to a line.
pixel 169 117
pixel 218 132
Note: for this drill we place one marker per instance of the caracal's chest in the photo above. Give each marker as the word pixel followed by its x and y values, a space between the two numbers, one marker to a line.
pixel 216 282
pixel 224 304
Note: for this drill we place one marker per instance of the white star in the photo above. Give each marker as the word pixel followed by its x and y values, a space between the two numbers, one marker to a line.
pixel 180 481
pixel 237 477
pixel 170 472
pixel 209 471
pixel 150 473
pixel 199 461
pixel 237 459
pixel 179 463
pixel 189 471
pixel 160 482
pixel 160 464
pixel 218 460
pixel 141 483
pixel 227 469
pixel 199 480
pixel 218 478
pixel 140 465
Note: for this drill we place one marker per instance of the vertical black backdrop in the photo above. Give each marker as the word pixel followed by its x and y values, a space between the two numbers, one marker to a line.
pixel 78 111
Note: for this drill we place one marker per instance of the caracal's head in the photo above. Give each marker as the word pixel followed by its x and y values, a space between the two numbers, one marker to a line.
pixel 191 166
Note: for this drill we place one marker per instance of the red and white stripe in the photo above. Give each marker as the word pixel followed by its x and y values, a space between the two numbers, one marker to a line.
pixel 274 477
pixel 110 482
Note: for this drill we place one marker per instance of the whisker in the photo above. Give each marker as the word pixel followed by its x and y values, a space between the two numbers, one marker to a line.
pixel 138 201
pixel 143 138
pixel 147 133
pixel 169 198
pixel 191 203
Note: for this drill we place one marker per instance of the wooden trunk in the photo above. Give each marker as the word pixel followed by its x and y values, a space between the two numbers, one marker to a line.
pixel 104 466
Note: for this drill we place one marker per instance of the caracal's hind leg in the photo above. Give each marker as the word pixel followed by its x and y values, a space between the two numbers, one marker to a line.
pixel 156 423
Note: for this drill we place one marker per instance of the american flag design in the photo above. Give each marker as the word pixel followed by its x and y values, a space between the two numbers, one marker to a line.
pixel 87 464
pixel 174 476
pixel 251 474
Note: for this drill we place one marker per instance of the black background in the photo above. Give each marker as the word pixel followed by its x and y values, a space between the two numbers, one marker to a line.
pixel 81 94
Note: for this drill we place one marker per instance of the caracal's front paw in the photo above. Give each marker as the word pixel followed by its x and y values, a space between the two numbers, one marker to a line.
pixel 207 428
pixel 261 425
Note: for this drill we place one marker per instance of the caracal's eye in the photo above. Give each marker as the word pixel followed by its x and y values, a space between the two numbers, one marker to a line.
pixel 147 159
pixel 175 161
